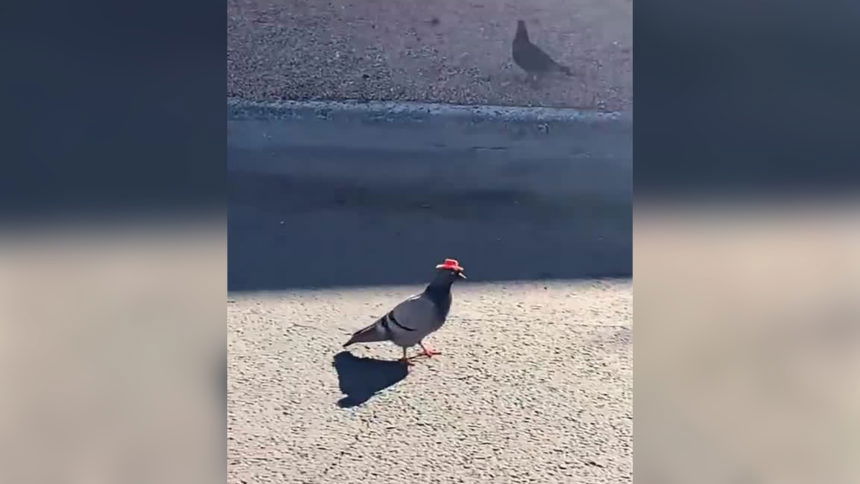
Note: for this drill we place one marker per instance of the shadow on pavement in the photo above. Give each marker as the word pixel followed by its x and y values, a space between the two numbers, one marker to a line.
pixel 361 378
pixel 287 233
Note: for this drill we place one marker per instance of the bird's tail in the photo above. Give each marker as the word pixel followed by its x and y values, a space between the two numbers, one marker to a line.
pixel 374 332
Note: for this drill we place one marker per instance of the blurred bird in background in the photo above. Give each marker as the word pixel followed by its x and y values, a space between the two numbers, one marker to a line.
pixel 531 58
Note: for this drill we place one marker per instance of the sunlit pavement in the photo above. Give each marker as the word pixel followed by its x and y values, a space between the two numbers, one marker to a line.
pixel 534 384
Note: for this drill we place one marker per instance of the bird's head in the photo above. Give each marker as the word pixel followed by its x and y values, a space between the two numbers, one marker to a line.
pixel 451 269
pixel 521 29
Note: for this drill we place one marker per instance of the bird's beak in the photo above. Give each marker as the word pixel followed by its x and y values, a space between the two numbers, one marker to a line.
pixel 462 275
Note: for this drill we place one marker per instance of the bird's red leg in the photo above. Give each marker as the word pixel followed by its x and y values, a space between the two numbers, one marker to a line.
pixel 429 353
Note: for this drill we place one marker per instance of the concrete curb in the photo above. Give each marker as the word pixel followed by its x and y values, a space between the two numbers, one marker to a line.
pixel 239 109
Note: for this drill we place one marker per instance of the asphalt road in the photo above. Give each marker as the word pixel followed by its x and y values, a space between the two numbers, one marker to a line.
pixel 445 51
pixel 534 384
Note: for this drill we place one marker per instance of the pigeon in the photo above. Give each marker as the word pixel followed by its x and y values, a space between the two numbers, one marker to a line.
pixel 531 58
pixel 413 319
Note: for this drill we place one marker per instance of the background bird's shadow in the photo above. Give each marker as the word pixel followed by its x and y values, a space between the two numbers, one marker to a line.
pixel 362 378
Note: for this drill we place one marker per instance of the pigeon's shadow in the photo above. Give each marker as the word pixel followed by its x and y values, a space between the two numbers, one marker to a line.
pixel 361 378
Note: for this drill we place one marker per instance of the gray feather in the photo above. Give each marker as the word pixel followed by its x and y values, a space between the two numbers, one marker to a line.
pixel 374 332
pixel 413 319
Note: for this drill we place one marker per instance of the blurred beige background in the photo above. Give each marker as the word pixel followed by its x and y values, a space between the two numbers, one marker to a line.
pixel 747 343
pixel 112 356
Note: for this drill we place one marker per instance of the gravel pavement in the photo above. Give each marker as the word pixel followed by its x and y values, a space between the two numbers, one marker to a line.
pixel 445 51
pixel 534 385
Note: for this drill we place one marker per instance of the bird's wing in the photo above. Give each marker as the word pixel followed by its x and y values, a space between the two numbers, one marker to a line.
pixel 531 57
pixel 539 56
pixel 418 314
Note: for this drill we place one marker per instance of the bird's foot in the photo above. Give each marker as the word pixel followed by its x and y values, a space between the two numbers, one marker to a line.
pixel 407 361
pixel 429 352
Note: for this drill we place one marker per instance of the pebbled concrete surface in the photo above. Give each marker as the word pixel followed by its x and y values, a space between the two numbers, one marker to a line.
pixel 534 385
pixel 446 51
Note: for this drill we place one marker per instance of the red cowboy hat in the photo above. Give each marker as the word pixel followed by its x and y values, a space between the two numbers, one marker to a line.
pixel 451 264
